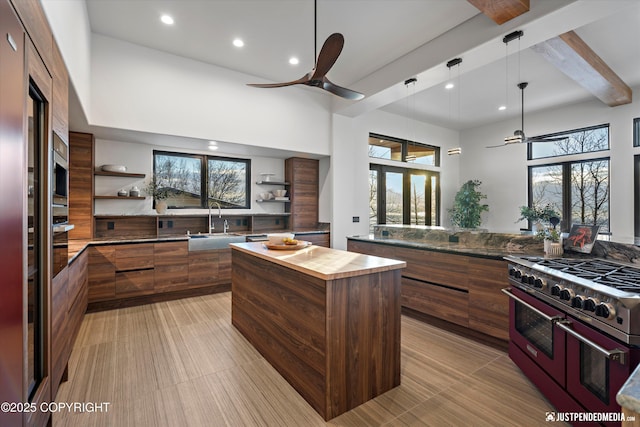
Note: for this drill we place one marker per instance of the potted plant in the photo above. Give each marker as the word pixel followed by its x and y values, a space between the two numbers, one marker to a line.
pixel 467 207
pixel 536 215
pixel 158 193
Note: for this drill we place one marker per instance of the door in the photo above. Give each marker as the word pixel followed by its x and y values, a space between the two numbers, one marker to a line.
pixel 597 366
pixel 532 328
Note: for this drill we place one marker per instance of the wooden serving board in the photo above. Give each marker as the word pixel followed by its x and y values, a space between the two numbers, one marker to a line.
pixel 283 247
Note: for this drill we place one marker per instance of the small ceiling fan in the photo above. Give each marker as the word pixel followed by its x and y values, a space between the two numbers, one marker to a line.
pixel 518 136
pixel 317 76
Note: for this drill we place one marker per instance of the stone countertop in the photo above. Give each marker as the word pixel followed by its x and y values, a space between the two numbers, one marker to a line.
pixel 524 247
pixel 629 395
pixel 323 263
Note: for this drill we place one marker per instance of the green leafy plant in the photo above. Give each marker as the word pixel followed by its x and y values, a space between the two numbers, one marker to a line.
pixel 154 190
pixel 467 207
pixel 536 213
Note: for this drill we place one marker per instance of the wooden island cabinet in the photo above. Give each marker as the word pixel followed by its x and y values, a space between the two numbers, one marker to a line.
pixel 327 320
pixel 459 288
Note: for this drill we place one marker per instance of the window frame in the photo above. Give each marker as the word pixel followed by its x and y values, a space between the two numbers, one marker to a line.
pixel 381 189
pixel 404 144
pixel 557 134
pixel 204 174
pixel 566 165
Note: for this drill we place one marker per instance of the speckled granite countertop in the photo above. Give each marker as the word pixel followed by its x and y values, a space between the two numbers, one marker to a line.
pixel 629 395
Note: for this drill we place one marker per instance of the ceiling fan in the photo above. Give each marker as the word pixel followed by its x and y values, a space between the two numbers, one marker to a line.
pixel 518 136
pixel 317 76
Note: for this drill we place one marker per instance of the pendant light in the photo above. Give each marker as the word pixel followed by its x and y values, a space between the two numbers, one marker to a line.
pixel 455 62
pixel 410 97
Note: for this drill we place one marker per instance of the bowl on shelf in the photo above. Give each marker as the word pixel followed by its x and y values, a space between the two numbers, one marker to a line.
pixel 280 193
pixel 278 238
pixel 114 168
pixel 265 196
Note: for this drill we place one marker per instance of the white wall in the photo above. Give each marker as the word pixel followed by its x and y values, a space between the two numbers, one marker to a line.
pixel 142 89
pixel 503 170
pixel 138 158
pixel 70 26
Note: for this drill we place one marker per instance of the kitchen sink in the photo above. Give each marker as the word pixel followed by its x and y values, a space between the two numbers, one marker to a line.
pixel 203 242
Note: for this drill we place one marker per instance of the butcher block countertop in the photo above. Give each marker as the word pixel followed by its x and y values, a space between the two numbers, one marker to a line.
pixel 323 263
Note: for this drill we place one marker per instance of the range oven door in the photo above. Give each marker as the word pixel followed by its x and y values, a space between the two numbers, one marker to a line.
pixel 597 366
pixel 532 328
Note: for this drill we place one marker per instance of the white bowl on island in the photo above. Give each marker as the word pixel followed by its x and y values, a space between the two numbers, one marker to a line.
pixel 278 238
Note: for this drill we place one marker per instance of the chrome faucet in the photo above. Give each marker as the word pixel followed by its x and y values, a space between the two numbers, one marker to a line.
pixel 225 227
pixel 212 226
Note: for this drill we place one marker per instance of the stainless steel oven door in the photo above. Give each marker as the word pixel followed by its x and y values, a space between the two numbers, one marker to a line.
pixel 532 328
pixel 597 366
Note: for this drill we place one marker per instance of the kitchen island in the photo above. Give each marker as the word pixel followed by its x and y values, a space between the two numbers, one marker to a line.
pixel 327 320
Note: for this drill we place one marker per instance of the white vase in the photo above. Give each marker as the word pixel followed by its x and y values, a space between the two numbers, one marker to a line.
pixel 161 206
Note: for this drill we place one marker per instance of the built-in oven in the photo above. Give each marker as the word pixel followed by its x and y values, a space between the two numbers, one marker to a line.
pixel 532 328
pixel 59 182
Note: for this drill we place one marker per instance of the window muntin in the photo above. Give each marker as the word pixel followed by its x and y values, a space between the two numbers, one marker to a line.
pixel 227 180
pixel 389 148
pixel 585 140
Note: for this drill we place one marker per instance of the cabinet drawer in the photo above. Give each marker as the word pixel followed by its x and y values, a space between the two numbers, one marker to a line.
pixel 138 282
pixel 169 277
pixel 445 303
pixel 102 254
pixel 203 268
pixel 134 263
pixel 170 252
pixel 101 282
pixel 134 250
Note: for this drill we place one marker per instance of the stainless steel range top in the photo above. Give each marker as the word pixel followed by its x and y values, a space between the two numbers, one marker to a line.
pixel 603 293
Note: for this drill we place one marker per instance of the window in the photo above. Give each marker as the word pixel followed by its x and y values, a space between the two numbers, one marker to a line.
pixel 636 132
pixel 579 189
pixel 403 196
pixel 586 140
pixel 385 147
pixel 196 181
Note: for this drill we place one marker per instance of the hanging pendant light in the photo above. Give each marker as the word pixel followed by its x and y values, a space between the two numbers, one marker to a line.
pixel 454 63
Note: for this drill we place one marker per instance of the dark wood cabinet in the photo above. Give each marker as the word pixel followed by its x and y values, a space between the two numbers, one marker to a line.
pixel 60 104
pixel 81 185
pixel 318 239
pixel 460 289
pixel 302 174
pixel 212 267
pixel 102 273
pixel 171 266
pixel 68 306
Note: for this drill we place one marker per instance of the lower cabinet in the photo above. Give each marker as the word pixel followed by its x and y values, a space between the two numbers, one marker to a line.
pixel 318 239
pixel 118 272
pixel 68 305
pixel 461 289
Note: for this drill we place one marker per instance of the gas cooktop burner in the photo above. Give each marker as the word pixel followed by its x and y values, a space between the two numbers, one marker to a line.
pixel 619 276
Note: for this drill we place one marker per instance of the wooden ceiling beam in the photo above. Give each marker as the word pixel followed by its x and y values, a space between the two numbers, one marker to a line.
pixel 571 55
pixel 501 11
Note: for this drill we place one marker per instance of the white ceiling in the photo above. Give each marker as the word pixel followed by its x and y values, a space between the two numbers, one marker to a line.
pixel 377 33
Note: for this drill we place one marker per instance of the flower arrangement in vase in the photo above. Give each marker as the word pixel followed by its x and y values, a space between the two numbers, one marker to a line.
pixel 158 193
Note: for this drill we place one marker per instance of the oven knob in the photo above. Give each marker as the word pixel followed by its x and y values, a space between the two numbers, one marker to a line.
pixel 515 273
pixel 524 278
pixel 555 290
pixel 567 294
pixel 606 310
pixel 539 283
pixel 591 303
pixel 577 301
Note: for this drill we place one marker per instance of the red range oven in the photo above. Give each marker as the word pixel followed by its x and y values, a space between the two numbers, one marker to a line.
pixel 573 333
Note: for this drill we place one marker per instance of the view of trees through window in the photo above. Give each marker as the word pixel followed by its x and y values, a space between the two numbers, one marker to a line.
pixel 578 189
pixel 226 183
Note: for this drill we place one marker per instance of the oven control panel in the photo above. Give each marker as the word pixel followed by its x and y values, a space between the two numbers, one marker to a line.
pixel 571 297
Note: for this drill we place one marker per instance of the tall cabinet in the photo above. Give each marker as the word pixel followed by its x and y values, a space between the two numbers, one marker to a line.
pixel 303 177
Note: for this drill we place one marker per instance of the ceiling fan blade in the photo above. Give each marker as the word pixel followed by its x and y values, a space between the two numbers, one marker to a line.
pixel 328 55
pixel 340 91
pixel 301 80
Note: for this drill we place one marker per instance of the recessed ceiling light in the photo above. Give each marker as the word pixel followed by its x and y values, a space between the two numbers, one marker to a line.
pixel 502 108
pixel 213 147
pixel 294 61
pixel 213 142
pixel 166 19
pixel 238 43
pixel 449 86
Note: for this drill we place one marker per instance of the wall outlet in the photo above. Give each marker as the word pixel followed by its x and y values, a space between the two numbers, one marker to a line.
pixel 170 224
pixel 356 219
pixel 111 225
